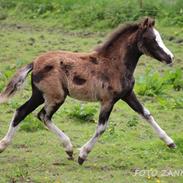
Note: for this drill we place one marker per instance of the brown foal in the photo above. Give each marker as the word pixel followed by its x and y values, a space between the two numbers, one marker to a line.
pixel 104 75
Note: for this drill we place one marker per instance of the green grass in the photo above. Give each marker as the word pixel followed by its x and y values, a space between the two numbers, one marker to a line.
pixel 129 143
pixel 98 15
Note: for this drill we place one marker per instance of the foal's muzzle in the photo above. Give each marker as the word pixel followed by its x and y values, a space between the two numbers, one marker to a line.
pixel 169 60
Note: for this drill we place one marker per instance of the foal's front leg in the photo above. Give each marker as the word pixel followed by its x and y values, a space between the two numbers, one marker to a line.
pixel 133 102
pixel 105 111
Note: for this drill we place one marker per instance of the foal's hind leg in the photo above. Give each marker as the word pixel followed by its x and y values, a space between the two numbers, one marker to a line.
pixel 105 111
pixel 133 102
pixel 46 114
pixel 35 100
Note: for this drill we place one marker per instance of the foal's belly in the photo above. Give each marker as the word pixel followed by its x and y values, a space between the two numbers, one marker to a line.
pixel 84 93
pixel 91 91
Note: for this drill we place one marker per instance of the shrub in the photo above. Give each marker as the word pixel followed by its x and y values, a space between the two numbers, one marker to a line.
pixel 172 12
pixel 170 102
pixel 3 14
pixel 153 83
pixel 132 122
pixel 150 84
pixel 84 112
pixel 7 4
pixel 174 78
pixel 98 14
pixel 31 124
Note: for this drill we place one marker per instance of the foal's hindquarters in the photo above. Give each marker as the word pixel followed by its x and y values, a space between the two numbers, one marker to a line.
pixel 47 88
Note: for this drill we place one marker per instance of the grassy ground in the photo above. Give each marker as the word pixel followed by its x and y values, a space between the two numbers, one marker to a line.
pixel 128 145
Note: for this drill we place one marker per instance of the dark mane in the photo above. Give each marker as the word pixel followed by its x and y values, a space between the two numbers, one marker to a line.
pixel 122 29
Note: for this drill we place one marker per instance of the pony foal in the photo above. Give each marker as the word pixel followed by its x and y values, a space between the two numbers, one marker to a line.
pixel 104 75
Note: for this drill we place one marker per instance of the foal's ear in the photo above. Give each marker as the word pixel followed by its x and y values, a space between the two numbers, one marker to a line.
pixel 147 22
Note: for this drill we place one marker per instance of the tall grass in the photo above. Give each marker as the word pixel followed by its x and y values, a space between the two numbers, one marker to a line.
pixel 92 13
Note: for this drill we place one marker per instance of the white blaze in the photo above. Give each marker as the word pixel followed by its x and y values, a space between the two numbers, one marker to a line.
pixel 161 44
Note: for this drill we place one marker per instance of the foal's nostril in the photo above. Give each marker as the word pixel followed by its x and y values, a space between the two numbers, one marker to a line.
pixel 170 60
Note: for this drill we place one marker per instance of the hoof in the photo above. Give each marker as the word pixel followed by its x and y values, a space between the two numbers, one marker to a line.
pixel 70 158
pixel 1 150
pixel 172 145
pixel 80 160
pixel 70 155
pixel 3 146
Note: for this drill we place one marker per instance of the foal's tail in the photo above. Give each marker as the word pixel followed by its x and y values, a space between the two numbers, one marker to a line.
pixel 15 83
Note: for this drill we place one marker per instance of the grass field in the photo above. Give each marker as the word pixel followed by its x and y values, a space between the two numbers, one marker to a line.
pixel 128 146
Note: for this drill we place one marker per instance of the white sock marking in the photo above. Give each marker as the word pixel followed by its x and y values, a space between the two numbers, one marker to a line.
pixel 162 134
pixel 85 149
pixel 62 136
pixel 9 135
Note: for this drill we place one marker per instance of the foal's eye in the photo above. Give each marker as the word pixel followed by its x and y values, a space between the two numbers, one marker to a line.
pixel 147 39
pixel 150 39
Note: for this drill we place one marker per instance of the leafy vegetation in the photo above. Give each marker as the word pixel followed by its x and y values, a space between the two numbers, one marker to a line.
pixel 97 14
pixel 31 124
pixel 170 102
pixel 84 112
pixel 154 83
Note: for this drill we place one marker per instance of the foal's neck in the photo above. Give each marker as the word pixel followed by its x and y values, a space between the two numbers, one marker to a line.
pixel 130 57
pixel 124 52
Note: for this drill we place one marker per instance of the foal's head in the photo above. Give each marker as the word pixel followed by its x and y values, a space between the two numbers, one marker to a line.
pixel 150 42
